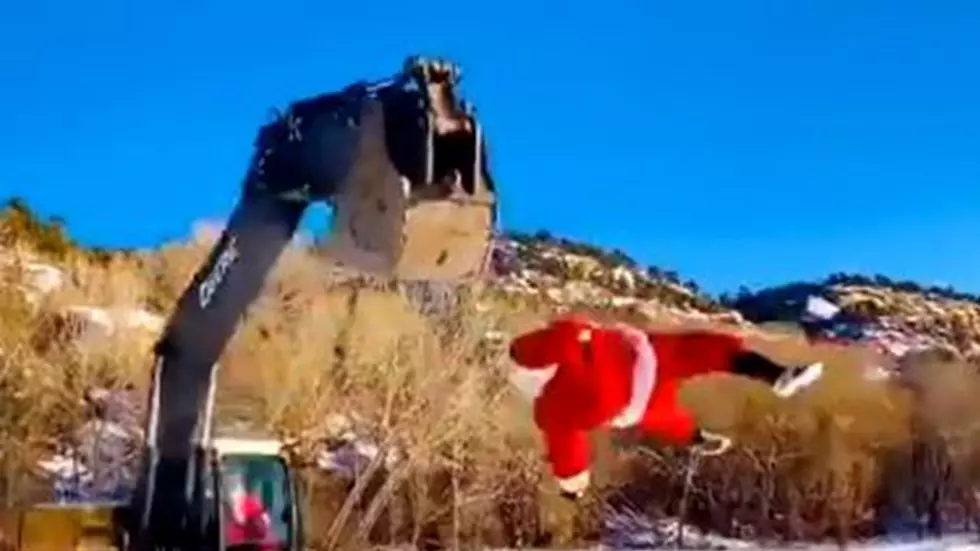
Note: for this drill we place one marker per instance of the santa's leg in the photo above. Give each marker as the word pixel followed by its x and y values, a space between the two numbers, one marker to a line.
pixel 785 380
pixel 670 422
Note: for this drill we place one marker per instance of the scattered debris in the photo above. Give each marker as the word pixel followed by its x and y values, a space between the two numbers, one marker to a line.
pixel 346 453
pixel 99 462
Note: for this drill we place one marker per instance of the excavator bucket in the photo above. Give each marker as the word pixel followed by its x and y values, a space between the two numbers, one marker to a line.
pixel 377 228
pixel 447 239
pixel 434 225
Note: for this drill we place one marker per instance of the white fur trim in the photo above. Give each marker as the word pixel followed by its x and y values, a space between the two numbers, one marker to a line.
pixel 644 379
pixel 531 382
pixel 576 484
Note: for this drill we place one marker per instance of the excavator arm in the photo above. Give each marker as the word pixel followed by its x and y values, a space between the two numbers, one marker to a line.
pixel 381 154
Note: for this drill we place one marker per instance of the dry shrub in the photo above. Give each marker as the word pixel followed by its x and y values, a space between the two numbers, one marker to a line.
pixel 43 376
pixel 835 462
pixel 930 483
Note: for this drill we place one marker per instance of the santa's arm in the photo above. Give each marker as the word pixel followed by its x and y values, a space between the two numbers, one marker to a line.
pixel 569 455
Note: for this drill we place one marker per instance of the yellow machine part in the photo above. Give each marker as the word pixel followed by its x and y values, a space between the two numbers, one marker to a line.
pixel 75 527
pixel 446 239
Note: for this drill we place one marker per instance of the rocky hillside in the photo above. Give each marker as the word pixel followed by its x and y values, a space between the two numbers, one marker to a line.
pixel 568 273
pixel 943 316
pixel 575 273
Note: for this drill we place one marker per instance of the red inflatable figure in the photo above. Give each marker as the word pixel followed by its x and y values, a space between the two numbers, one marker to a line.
pixel 583 376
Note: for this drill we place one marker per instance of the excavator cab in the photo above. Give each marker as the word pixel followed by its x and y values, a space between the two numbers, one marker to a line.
pixel 249 500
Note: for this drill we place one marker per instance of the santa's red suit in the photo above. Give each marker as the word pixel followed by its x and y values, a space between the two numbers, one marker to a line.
pixel 583 376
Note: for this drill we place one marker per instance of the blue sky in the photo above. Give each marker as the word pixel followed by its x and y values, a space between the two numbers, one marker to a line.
pixel 737 142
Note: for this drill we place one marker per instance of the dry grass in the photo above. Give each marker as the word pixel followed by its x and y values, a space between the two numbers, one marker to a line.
pixel 472 473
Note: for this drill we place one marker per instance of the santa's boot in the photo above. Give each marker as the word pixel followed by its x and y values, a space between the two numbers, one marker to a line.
pixel 710 443
pixel 785 381
pixel 573 488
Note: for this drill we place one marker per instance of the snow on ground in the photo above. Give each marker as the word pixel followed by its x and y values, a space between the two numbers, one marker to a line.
pixel 945 544
pixel 631 531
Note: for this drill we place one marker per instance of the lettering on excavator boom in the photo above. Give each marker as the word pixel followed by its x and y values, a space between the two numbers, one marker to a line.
pixel 211 283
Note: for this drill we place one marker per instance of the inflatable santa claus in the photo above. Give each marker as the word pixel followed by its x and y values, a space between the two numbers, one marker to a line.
pixel 583 376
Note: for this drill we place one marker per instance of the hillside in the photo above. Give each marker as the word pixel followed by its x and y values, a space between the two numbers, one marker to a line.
pixel 466 460
pixel 569 272
pixel 572 273
pixel 943 316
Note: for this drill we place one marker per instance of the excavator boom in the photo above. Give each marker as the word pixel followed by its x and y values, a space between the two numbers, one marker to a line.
pixel 204 320
pixel 382 154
